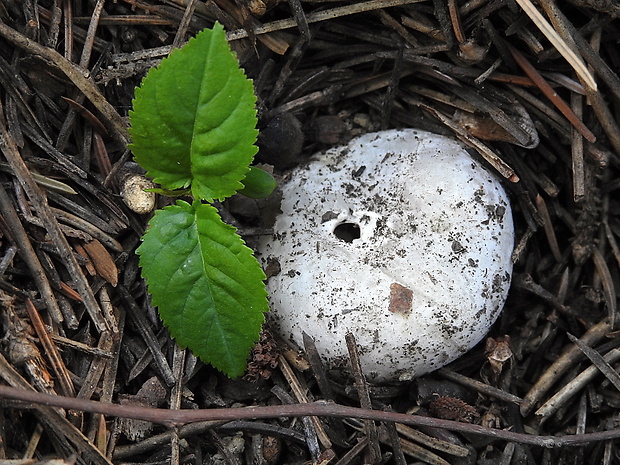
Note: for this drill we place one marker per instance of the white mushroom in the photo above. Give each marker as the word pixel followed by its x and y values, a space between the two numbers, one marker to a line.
pixel 401 238
pixel 135 189
pixel 135 193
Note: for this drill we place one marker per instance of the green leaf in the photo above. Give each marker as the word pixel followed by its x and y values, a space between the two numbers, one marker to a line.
pixel 193 120
pixel 207 284
pixel 257 184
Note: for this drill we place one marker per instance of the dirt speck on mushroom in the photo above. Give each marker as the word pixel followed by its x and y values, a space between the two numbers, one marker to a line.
pixel 400 299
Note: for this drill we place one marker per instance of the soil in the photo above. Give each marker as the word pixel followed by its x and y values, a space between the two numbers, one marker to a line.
pixel 538 106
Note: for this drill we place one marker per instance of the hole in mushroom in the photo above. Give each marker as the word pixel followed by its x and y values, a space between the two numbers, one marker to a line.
pixel 347 232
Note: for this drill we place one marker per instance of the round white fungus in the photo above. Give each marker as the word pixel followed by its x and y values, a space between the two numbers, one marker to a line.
pixel 401 238
pixel 135 193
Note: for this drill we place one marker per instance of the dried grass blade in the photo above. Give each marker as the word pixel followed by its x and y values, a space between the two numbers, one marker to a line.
pixel 577 160
pixel 551 94
pixel 573 387
pixel 548 227
pixel 58 366
pixel 139 319
pixel 44 181
pixel 479 386
pixel 370 428
pixel 309 424
pixel 418 452
pixel 87 114
pixel 429 441
pixel 319 16
pixel 301 397
pixel 608 284
pixel 545 27
pixel 566 360
pixel 597 359
pixel 491 157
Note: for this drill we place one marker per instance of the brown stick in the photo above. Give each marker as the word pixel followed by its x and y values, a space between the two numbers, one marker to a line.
pixel 561 365
pixel 51 350
pixel 182 417
pixel 551 94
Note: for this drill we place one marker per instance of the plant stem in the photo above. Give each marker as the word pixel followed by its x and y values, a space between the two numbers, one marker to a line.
pixel 181 417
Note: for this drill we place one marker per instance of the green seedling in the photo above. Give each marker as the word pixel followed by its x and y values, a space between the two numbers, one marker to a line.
pixel 193 127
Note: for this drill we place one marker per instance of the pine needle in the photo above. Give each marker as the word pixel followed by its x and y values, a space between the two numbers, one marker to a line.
pixel 547 29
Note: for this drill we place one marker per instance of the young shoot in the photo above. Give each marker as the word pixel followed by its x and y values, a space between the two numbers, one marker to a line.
pixel 193 127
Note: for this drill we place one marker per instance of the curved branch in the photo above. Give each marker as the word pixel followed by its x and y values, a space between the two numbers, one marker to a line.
pixel 182 417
